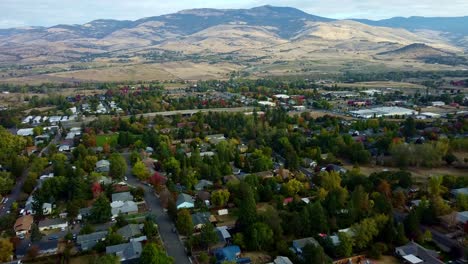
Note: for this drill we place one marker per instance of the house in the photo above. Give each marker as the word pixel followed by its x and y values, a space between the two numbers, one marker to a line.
pixel 64 147
pixel 230 253
pixel 282 260
pixel 415 253
pixel 87 242
pixel 128 207
pixel 461 191
pixel 215 139
pixel 334 167
pixel 126 252
pixel 199 219
pixel 122 197
pixel 201 185
pixel 23 224
pixel 103 166
pixel 48 247
pixel 299 244
pixel 454 219
pixel 25 132
pixel 223 234
pixel 204 196
pixel 185 201
pixel 53 223
pixel 83 213
pixel 129 231
pixel 46 208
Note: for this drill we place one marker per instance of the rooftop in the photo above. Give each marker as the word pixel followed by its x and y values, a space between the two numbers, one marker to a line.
pixel 123 196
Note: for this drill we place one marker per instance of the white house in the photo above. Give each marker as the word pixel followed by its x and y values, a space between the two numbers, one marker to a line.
pixel 25 132
pixel 53 223
pixel 185 201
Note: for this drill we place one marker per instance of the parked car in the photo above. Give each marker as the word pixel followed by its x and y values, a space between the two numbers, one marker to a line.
pixel 54 237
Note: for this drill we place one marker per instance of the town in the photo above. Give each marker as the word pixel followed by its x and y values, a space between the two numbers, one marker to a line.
pixel 238 171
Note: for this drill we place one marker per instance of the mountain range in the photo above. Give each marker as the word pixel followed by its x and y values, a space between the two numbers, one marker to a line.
pixel 252 39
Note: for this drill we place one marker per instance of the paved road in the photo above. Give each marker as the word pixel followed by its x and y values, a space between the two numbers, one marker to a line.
pixel 20 181
pixel 166 113
pixel 172 243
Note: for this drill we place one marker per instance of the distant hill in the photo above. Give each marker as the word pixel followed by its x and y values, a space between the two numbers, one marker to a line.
pixel 252 39
pixel 416 50
pixel 451 25
pixel 426 54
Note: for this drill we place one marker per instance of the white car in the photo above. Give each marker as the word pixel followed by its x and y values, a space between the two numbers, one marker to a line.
pixel 125 178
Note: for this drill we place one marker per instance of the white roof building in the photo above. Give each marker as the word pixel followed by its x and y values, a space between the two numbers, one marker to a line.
pixel 25 132
pixel 387 111
pixel 282 96
pixel 266 103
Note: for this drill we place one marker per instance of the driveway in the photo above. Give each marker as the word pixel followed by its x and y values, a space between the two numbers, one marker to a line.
pixel 171 241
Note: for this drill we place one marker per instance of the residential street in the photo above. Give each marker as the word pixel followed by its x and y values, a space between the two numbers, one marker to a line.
pixel 20 181
pixel 173 245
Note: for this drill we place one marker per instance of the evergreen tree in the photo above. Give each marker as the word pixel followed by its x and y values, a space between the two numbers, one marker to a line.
pixel 247 206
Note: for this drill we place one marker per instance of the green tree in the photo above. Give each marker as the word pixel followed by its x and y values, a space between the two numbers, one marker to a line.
pixel 345 247
pixel 150 229
pixel 315 254
pixel 220 197
pixel 140 171
pixel 36 235
pixel 263 236
pixel 154 254
pixel 184 222
pixel 6 182
pixel 364 232
pixel 320 222
pixel 89 163
pixel 409 127
pixel 118 166
pixel 360 201
pixel 293 187
pixel 101 210
pixel 247 206
pixel 208 235
pixel 6 250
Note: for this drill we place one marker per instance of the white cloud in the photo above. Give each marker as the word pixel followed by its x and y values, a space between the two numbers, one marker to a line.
pixel 51 12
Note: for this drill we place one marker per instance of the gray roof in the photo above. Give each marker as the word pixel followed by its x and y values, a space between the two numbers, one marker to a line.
pixel 301 243
pixel 90 240
pixel 200 218
pixel 127 207
pixel 184 198
pixel 460 191
pixel 129 231
pixel 51 221
pixel 85 211
pixel 126 251
pixel 282 260
pixel 203 184
pixel 123 196
pixel 412 248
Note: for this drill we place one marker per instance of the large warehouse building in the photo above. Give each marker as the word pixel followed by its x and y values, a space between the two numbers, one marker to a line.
pixel 383 111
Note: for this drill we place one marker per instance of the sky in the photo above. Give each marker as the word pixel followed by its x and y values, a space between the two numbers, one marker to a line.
pixel 20 13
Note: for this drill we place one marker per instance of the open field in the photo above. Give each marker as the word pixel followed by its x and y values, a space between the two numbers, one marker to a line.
pixel 418 173
pixel 369 85
pixel 103 139
pixel 136 72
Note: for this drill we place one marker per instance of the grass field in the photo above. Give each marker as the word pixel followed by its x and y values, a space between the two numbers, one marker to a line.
pixel 418 173
pixel 369 85
pixel 109 139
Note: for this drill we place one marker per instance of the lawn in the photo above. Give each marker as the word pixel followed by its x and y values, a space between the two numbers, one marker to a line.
pixel 109 139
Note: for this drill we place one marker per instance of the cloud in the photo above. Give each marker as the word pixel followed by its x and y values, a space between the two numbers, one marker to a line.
pixel 52 12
